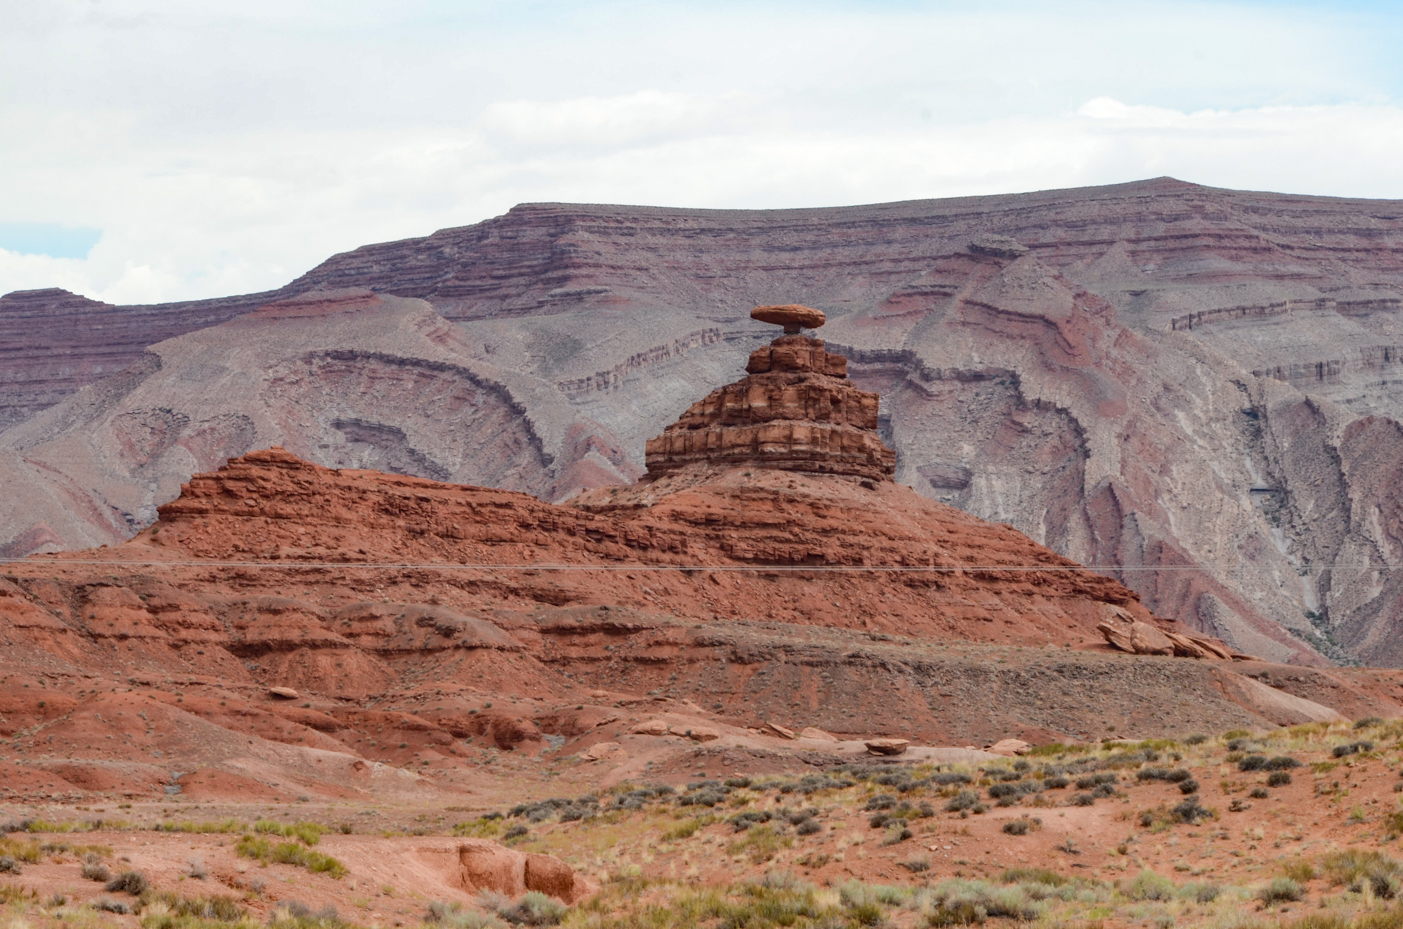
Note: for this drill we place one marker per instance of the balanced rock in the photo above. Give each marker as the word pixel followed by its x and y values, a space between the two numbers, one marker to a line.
pixel 796 411
pixel 792 316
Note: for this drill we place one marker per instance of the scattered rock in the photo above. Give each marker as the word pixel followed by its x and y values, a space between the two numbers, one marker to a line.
pixel 485 865
pixel 818 735
pixel 650 727
pixel 697 733
pixel 777 729
pixel 1010 747
pixel 887 746
pixel 283 693
pixel 599 751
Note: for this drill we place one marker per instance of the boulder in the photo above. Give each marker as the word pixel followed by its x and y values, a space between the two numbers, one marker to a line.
pixel 486 865
pixel 887 746
pixel 1010 747
pixel 1147 640
pixel 602 750
pixel 792 316
pixel 650 727
pixel 697 733
pixel 283 693
pixel 1136 638
pixel 817 735
pixel 777 729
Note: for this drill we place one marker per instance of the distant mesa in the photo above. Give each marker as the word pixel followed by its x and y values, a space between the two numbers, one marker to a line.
pixel 796 411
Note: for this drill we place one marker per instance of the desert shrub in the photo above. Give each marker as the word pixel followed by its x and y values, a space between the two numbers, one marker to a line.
pixel 187 825
pixel 1280 890
pixel 96 871
pixel 1083 799
pixel 306 832
pixel 196 869
pixel 534 909
pixel 1018 826
pixel 743 821
pixel 481 828
pixel 1201 893
pixel 1190 811
pixel 1352 748
pixel 1298 870
pixel 260 849
pixel 1356 868
pixel 1259 793
pixel 916 865
pixel 1056 782
pixel 813 783
pixel 808 827
pixel 760 844
pixel 1172 775
pixel 296 915
pixel 1252 763
pixel 1032 876
pixel 964 800
pixel 1367 722
pixel 1102 791
pixel 454 916
pixel 946 778
pixel 687 829
pixel 1147 885
pixel 1278 779
pixel 22 851
pixel 108 905
pixel 1188 787
pixel 517 831
pixel 959 902
pixel 1092 781
pixel 1015 789
pixel 130 882
pixel 9 866
pixel 1281 763
pixel 880 802
pixel 1196 739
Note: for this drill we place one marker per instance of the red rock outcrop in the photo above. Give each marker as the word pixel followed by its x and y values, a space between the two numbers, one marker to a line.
pixel 1158 377
pixel 794 412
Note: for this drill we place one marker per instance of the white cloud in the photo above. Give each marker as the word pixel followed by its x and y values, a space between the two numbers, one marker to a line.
pixel 227 150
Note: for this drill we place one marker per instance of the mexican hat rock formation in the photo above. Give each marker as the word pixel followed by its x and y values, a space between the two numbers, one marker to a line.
pixel 795 411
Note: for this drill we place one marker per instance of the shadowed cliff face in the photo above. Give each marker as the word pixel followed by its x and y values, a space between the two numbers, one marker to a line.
pixel 1192 383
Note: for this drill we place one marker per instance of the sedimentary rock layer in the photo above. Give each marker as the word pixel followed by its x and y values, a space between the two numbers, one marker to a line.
pixel 1165 379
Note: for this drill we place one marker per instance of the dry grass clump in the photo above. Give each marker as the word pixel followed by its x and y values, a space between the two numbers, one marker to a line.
pixel 260 849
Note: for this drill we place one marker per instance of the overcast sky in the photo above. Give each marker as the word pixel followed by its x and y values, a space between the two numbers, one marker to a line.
pixel 175 149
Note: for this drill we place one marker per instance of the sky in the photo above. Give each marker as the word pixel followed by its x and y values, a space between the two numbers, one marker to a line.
pixel 157 150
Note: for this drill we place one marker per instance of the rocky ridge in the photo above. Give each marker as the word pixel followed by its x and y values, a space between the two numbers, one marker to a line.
pixel 1196 388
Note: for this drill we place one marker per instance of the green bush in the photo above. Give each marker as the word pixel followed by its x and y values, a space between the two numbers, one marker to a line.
pixel 1280 890
pixel 1357 868
pixel 1147 885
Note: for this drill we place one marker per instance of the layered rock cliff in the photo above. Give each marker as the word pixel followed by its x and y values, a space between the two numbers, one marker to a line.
pixel 1168 380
